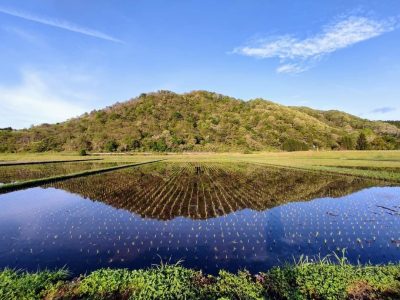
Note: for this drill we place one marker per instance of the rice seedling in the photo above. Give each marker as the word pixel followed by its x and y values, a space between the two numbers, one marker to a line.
pixel 16 172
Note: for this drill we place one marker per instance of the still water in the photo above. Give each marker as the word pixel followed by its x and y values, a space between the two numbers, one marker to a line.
pixel 210 216
pixel 16 173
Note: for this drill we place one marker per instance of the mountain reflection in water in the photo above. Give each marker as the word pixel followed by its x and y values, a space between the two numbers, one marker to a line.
pixel 210 215
pixel 207 190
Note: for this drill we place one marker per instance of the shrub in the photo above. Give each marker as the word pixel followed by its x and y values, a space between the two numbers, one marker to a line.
pixel 362 143
pixel 159 145
pixel 347 142
pixel 82 152
pixel 177 115
pixel 164 282
pixel 232 286
pixel 111 146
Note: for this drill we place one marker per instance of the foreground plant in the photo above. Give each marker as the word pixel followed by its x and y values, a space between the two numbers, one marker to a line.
pixel 333 279
pixel 306 279
pixel 23 285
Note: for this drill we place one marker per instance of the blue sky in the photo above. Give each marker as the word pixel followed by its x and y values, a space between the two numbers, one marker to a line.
pixel 61 58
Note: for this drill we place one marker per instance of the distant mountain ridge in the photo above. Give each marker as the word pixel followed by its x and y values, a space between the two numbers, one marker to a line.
pixel 201 121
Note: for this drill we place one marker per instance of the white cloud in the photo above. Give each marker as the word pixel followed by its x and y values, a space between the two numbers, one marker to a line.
pixel 59 24
pixel 291 68
pixel 36 100
pixel 301 52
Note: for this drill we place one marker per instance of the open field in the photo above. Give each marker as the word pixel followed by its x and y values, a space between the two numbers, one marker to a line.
pixel 315 157
pixel 374 164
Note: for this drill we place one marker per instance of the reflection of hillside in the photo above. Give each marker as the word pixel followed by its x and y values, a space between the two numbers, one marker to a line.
pixel 200 191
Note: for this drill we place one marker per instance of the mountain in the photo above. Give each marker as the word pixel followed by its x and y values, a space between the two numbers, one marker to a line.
pixel 201 121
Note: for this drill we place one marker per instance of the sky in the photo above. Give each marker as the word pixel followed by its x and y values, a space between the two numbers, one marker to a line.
pixel 61 58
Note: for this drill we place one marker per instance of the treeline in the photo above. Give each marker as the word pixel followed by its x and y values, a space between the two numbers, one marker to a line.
pixel 395 123
pixel 202 121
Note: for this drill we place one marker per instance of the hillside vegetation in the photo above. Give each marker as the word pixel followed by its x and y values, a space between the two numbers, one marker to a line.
pixel 201 121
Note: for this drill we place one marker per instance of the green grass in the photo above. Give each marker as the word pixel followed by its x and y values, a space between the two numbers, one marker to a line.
pixel 17 163
pixel 322 279
pixel 383 165
pixel 359 163
pixel 22 285
pixel 333 279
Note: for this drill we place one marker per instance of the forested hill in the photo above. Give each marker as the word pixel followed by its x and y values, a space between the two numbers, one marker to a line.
pixel 395 123
pixel 201 121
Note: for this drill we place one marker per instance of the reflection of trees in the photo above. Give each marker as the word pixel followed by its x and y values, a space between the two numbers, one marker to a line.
pixel 205 190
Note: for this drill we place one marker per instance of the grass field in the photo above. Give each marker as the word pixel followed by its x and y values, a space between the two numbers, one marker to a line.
pixel 374 164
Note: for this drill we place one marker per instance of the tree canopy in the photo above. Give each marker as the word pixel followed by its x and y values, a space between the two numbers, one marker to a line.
pixel 201 121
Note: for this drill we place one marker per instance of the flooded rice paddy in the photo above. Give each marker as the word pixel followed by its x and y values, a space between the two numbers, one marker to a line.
pixel 17 173
pixel 210 215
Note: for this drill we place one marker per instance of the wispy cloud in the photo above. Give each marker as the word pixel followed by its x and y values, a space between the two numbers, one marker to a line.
pixel 383 110
pixel 291 68
pixel 59 24
pixel 297 55
pixel 37 100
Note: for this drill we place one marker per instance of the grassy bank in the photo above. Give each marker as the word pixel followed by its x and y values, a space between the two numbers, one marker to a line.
pixel 304 280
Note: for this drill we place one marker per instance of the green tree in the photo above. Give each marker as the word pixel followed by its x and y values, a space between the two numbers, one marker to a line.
pixel 362 143
pixel 378 143
pixel 347 142
pixel 111 146
pixel 159 146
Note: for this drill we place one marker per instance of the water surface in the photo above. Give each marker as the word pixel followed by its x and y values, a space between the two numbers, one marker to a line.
pixel 211 216
pixel 16 173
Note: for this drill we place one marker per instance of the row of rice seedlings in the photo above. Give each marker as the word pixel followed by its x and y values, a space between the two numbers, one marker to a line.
pixel 147 205
pixel 180 192
pixel 199 190
pixel 15 173
pixel 246 195
pixel 296 185
pixel 160 197
pixel 125 189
